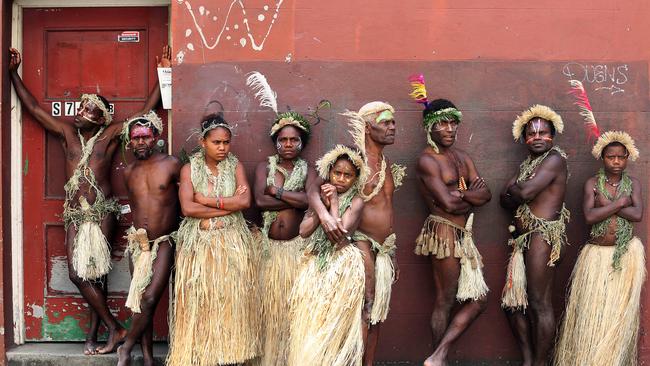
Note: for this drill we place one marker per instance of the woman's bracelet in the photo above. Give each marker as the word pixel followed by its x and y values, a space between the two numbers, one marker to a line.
pixel 278 193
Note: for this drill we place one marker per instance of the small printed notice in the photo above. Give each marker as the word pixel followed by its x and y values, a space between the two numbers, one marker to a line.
pixel 125 209
pixel 165 81
pixel 129 37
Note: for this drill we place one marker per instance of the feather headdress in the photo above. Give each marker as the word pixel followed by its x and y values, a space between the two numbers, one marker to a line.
pixel 431 117
pixel 615 136
pixel 325 163
pixel 419 94
pixel 582 101
pixel 357 120
pixel 290 119
pixel 419 89
pixel 536 111
pixel 268 98
pixel 357 129
pixel 150 120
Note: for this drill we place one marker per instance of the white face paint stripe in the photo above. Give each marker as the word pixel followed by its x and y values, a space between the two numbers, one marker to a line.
pixel 537 125
pixel 278 145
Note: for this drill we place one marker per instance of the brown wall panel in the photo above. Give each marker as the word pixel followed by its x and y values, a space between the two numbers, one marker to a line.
pixel 491 58
pixel 490 94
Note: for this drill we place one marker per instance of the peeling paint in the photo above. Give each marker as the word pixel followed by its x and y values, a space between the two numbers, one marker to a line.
pixel 118 280
pixel 59 280
pixel 26 167
pixel 180 56
pixel 68 328
pixel 37 311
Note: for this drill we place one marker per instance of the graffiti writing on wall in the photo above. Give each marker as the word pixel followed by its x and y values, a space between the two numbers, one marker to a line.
pixel 610 78
pixel 235 25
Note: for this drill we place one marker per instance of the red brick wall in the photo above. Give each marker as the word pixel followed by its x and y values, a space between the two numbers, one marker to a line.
pixel 492 59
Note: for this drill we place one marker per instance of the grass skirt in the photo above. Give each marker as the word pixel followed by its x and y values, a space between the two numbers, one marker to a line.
pixel 442 238
pixel 384 274
pixel 601 324
pixel 91 253
pixel 215 316
pixel 278 272
pixel 326 305
pixel 143 253
pixel 384 278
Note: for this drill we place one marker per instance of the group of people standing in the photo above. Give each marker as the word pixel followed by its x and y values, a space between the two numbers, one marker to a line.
pixel 313 284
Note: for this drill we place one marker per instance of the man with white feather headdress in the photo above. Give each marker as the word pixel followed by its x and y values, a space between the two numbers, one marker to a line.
pixel 372 128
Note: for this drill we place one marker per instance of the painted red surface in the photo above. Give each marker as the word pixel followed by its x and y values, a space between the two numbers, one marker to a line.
pixel 6 335
pixel 493 59
pixel 69 52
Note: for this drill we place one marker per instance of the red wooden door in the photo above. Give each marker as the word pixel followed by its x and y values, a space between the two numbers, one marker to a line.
pixel 67 52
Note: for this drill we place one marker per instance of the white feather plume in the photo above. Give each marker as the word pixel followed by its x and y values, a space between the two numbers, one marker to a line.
pixel 357 129
pixel 267 97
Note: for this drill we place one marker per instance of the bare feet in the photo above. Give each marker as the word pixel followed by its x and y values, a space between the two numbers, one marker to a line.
pixel 148 361
pixel 433 360
pixel 90 347
pixel 114 338
pixel 123 356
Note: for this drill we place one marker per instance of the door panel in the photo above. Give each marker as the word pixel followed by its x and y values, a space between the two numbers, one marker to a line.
pixel 68 52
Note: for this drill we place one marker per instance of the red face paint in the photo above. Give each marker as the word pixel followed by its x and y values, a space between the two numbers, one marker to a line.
pixel 545 139
pixel 138 131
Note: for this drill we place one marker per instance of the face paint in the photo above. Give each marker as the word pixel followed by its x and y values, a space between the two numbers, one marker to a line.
pixel 84 112
pixel 140 131
pixel 531 139
pixel 445 126
pixel 537 126
pixel 288 143
pixel 88 119
pixel 384 116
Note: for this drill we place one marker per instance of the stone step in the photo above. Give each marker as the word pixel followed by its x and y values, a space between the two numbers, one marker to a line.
pixel 71 354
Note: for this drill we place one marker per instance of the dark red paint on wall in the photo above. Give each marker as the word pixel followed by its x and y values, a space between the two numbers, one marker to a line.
pixel 485 133
pixel 493 59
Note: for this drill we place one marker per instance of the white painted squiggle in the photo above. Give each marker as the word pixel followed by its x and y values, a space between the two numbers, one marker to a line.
pixel 253 42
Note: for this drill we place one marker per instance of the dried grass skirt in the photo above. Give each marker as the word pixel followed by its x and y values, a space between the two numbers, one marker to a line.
pixel 326 305
pixel 215 315
pixel 278 272
pixel 601 323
